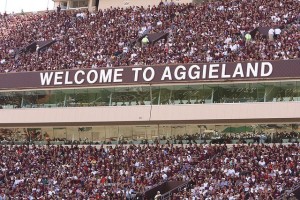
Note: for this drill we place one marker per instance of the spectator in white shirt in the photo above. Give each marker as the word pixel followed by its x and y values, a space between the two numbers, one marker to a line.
pixel 277 32
pixel 271 34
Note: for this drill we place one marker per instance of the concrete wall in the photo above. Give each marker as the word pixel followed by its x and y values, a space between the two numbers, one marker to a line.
pixel 199 113
pixel 70 4
pixel 104 4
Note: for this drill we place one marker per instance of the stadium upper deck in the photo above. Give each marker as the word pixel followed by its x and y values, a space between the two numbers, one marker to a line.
pixel 177 33
pixel 210 32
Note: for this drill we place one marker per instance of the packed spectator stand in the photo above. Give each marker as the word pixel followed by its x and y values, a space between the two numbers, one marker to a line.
pixel 245 172
pixel 58 172
pixel 218 31
pixel 214 171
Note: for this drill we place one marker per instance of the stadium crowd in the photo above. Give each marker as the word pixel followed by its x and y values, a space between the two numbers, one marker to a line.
pixel 245 172
pixel 62 172
pixel 123 172
pixel 217 31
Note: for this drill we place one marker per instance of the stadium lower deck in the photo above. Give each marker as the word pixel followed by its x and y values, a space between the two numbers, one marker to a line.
pixel 254 171
pixel 191 161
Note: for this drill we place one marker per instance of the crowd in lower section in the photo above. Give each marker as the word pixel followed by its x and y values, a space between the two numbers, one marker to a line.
pixel 120 172
pixel 245 172
pixel 218 31
pixel 54 172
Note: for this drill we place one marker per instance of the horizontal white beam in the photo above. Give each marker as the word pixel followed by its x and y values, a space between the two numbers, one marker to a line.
pixel 199 113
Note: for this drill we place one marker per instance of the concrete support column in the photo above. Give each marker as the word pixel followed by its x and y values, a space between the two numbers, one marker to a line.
pixel 69 4
pixel 91 4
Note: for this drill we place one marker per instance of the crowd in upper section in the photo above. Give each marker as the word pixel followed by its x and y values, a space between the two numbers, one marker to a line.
pixel 219 31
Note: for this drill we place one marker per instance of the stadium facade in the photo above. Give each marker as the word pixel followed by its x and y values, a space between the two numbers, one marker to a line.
pixel 93 5
pixel 150 102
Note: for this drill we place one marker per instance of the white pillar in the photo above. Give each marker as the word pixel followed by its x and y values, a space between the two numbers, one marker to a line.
pixel 68 4
pixel 91 5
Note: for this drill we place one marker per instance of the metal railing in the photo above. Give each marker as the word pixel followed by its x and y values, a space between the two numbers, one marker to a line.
pixel 288 192
pixel 168 195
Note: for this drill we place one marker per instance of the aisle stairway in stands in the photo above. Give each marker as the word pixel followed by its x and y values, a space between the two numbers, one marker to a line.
pixel 295 191
pixel 166 189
